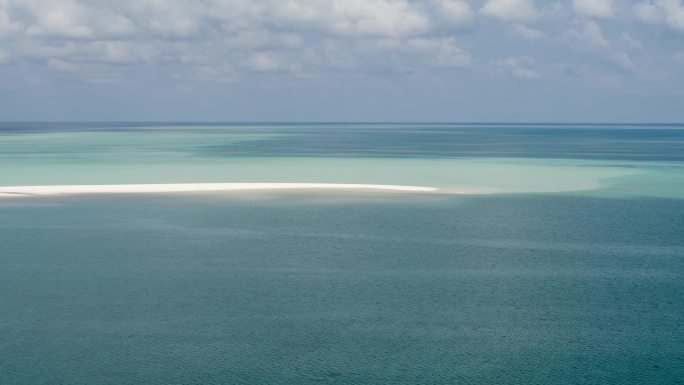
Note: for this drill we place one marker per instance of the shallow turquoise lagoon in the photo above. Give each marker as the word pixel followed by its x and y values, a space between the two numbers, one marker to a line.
pixel 569 271
pixel 615 160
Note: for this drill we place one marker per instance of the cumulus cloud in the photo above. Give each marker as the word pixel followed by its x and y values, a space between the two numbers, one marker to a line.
pixel 647 13
pixel 669 13
pixel 227 37
pixel 623 60
pixel 62 66
pixel 588 34
pixel 510 10
pixel 264 62
pixel 225 41
pixel 442 52
pixel 375 18
pixel 521 67
pixel 411 55
pixel 594 8
pixel 524 32
pixel 7 25
pixel 70 19
pixel 589 37
pixel 454 12
pixel 631 42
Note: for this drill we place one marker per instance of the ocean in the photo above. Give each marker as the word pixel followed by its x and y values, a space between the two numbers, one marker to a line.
pixel 566 266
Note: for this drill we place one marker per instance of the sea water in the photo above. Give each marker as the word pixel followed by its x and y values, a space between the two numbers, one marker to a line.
pixel 569 270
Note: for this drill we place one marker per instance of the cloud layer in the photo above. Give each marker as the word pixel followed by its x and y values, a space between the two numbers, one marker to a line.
pixel 233 36
pixel 607 43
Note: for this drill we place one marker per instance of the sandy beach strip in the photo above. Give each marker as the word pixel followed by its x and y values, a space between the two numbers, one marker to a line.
pixel 7 191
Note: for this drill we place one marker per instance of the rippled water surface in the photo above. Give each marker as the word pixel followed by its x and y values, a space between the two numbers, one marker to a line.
pixel 570 272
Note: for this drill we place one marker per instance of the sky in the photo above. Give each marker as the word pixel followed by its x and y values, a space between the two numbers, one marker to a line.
pixel 342 60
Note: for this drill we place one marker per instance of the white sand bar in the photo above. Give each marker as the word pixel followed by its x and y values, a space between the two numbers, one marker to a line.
pixel 197 187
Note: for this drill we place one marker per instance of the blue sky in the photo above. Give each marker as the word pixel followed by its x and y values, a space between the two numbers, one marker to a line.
pixel 342 60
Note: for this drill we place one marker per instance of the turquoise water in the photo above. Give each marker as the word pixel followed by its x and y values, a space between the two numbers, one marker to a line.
pixel 569 272
pixel 595 158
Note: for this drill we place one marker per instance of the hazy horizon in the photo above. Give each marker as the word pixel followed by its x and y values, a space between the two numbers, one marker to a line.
pixel 373 122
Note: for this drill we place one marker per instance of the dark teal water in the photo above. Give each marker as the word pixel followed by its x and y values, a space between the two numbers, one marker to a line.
pixel 502 289
pixel 583 287
pixel 579 141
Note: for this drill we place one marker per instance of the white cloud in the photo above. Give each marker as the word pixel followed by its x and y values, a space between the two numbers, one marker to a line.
pixel 182 19
pixel 62 66
pixel 264 62
pixel 454 12
pixel 510 10
pixel 588 35
pixel 674 13
pixel 524 32
pixel 376 18
pixel 220 39
pixel 7 24
pixel 116 52
pixel 521 67
pixel 647 13
pixel 669 13
pixel 71 19
pixel 226 40
pixel 623 60
pixel 594 8
pixel 170 20
pixel 631 42
pixel 441 52
pixel 412 55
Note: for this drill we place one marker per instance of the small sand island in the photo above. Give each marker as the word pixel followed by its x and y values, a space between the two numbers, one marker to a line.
pixel 7 191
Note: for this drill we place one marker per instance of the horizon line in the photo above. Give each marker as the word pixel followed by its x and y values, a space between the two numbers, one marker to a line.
pixel 312 122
